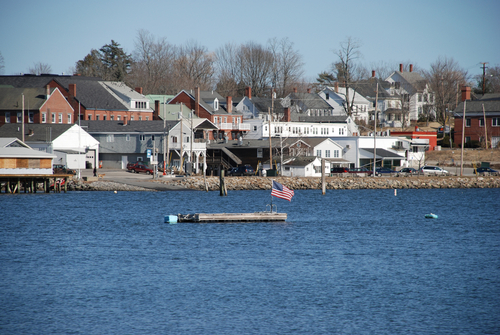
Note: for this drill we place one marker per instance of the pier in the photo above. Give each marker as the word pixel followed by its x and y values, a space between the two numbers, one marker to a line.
pixel 30 183
pixel 232 217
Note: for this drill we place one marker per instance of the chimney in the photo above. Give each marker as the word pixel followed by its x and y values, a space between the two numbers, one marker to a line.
pixel 229 101
pixel 336 87
pixel 411 67
pixel 288 115
pixel 197 101
pixel 308 90
pixel 47 91
pixel 400 67
pixel 373 73
pixel 156 113
pixel 125 120
pixel 72 90
pixel 295 90
pixel 248 92
pixel 465 93
pixel 138 90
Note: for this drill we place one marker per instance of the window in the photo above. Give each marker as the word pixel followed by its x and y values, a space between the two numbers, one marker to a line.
pixel 19 118
pixel 153 137
pixel 97 117
pixel 254 128
pixel 327 96
pixel 104 117
pixel 467 139
pixel 53 118
pixel 31 117
pixel 318 153
pixel 112 117
pixel 142 137
pixel 327 153
pixel 118 118
pixel 131 118
pixel 467 122
pixel 7 117
pixel 60 118
pixel 336 153
pixel 174 139
pixel 89 117
pixel 44 117
pixel 69 118
pixel 495 122
pixel 140 118
pixel 110 137
pixel 147 118
pixel 481 122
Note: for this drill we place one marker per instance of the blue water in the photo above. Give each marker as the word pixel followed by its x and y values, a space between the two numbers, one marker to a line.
pixel 349 262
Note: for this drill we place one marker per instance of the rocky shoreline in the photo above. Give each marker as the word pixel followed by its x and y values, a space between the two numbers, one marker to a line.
pixel 298 183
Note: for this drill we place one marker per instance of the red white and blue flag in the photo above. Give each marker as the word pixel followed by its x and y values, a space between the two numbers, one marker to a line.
pixel 281 191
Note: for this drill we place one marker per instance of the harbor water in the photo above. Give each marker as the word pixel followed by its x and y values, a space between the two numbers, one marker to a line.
pixel 348 262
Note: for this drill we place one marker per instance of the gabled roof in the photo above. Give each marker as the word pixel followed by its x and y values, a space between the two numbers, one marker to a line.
pixel 105 127
pixel 34 132
pixel 475 108
pixel 310 100
pixel 11 98
pixel 415 80
pixel 89 90
pixel 21 152
pixel 382 153
pixel 264 104
pixel 368 88
pixel 12 142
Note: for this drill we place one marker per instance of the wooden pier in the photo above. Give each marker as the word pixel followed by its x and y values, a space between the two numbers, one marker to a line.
pixel 232 217
pixel 28 183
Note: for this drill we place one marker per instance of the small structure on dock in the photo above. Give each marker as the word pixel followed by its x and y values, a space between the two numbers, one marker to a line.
pixel 228 217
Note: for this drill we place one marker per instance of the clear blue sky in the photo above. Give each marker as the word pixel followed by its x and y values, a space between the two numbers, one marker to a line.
pixel 60 33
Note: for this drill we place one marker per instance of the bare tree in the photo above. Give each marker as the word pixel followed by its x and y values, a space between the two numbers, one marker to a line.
pixel 445 78
pixel 228 71
pixel 2 64
pixel 153 66
pixel 287 68
pixel 347 71
pixel 39 68
pixel 255 63
pixel 195 66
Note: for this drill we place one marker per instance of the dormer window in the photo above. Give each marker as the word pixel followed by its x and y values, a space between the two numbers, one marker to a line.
pixel 216 104
pixel 140 104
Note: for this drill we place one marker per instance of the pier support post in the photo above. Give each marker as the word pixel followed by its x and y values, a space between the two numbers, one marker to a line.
pixel 323 178
pixel 222 183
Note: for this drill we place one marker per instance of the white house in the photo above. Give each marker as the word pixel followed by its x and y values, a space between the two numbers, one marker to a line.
pixel 336 97
pixel 71 144
pixel 259 128
pixel 308 166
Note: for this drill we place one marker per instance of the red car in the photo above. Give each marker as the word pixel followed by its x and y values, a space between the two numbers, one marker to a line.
pixel 140 167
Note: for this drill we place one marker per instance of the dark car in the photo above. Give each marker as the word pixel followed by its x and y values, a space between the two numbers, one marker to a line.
pixel 140 167
pixel 62 169
pixel 243 170
pixel 383 170
pixel 339 169
pixel 361 171
pixel 486 171
pixel 407 171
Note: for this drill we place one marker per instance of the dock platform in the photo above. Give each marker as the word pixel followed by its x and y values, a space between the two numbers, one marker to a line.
pixel 232 217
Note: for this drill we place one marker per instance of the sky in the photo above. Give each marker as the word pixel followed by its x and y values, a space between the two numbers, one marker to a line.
pixel 59 33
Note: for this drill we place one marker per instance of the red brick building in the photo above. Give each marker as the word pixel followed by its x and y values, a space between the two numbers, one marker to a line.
pixel 212 106
pixel 39 105
pixel 430 135
pixel 482 119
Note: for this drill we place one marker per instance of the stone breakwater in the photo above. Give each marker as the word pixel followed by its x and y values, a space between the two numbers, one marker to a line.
pixel 75 185
pixel 336 183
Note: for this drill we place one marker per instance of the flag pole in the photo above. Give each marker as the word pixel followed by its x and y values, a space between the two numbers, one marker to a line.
pixel 271 210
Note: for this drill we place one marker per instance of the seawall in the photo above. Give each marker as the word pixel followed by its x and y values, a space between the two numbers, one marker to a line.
pixel 339 183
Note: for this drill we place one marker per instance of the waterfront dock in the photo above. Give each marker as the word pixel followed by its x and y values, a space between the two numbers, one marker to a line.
pixel 31 183
pixel 232 217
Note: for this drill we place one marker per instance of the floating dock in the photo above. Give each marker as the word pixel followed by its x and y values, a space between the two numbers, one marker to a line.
pixel 231 217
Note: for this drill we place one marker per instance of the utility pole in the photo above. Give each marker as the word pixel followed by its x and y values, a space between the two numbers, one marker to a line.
pixel 375 136
pixel 271 110
pixel 484 76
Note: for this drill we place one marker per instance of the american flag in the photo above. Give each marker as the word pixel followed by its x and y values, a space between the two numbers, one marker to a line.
pixel 281 191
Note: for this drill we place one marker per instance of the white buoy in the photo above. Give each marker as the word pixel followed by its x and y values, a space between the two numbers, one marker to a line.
pixel 116 191
pixel 395 192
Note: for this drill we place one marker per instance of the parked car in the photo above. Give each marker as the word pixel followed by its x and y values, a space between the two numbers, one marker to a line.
pixel 361 171
pixel 129 165
pixel 407 171
pixel 486 170
pixel 383 170
pixel 435 170
pixel 243 170
pixel 339 169
pixel 231 171
pixel 140 167
pixel 62 169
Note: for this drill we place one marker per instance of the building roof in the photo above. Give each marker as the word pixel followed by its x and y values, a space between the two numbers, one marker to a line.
pixel 19 152
pixel 34 132
pixel 12 142
pixel 368 88
pixel 90 92
pixel 310 100
pixel 156 126
pixel 11 98
pixel 382 153
pixel 245 143
pixel 491 105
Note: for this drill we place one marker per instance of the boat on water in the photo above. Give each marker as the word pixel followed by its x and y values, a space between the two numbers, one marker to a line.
pixel 431 216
